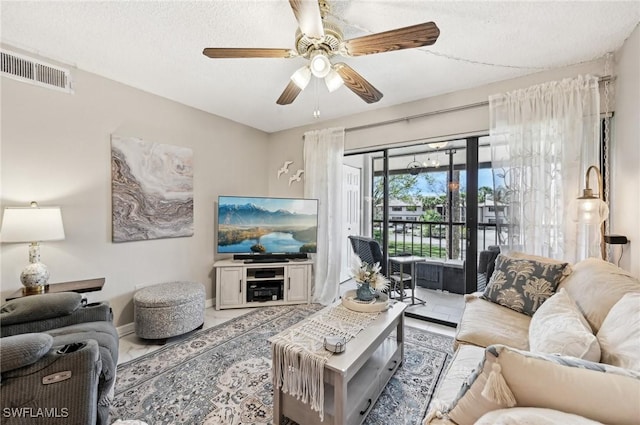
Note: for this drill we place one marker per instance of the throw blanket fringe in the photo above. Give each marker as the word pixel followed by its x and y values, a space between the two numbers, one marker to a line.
pixel 438 410
pixel 299 356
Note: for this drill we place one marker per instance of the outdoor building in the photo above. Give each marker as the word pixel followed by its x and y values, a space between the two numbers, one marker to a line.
pixel 491 212
pixel 401 210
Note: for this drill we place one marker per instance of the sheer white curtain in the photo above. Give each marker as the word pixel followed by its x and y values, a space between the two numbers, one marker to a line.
pixel 543 138
pixel 323 154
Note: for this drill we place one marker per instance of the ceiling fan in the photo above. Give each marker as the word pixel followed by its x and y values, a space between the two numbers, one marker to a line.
pixel 318 40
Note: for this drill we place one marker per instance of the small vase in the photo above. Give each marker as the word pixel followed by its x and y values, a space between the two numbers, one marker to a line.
pixel 364 292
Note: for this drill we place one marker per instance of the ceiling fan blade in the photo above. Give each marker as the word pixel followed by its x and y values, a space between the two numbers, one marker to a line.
pixel 289 94
pixel 227 53
pixel 307 13
pixel 401 38
pixel 357 84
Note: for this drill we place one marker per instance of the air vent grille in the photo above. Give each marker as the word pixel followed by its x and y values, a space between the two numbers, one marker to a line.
pixel 30 70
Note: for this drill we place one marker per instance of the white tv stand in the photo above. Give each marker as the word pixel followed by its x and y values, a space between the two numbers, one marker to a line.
pixel 236 283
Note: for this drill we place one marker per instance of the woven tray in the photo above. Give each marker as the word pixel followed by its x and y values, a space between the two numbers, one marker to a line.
pixel 377 304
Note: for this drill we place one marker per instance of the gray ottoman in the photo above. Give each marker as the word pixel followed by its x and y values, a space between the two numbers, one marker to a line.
pixel 168 309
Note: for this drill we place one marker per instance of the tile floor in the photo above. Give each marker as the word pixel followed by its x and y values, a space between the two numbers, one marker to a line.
pixel 439 305
pixel 132 347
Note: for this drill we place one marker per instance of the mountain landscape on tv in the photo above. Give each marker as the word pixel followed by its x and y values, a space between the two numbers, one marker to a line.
pixel 250 228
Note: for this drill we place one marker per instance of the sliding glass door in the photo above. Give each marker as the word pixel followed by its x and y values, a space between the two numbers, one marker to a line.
pixel 424 200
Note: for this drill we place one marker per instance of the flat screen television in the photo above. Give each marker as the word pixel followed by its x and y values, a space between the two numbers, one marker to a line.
pixel 262 225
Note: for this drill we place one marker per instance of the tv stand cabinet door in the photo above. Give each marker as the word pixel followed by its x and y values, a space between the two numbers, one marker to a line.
pixel 230 288
pixel 297 284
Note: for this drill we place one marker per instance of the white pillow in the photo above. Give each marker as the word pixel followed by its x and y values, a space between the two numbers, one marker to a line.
pixel 619 335
pixel 558 327
pixel 532 416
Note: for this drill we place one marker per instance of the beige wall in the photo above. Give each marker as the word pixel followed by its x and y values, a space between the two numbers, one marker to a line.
pixel 56 150
pixel 625 176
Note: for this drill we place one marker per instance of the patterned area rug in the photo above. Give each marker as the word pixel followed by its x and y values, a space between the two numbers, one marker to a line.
pixel 221 375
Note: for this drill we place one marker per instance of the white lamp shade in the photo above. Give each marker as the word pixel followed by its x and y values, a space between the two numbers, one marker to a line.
pixel 31 224
pixel 302 77
pixel 320 65
pixel 591 210
pixel 333 81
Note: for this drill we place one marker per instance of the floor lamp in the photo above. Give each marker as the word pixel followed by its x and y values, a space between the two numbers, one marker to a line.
pixel 593 211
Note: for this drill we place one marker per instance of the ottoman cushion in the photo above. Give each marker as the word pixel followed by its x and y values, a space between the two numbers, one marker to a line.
pixel 168 309
pixel 168 294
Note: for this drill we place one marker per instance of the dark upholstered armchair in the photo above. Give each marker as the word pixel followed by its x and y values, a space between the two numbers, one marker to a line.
pixel 58 360
pixel 487 261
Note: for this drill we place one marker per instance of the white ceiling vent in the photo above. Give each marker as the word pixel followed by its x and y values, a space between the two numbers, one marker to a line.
pixel 34 71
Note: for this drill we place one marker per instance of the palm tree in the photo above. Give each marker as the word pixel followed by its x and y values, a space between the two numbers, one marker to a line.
pixel 483 192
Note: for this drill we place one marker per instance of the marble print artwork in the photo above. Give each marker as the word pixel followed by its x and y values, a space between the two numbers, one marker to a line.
pixel 151 190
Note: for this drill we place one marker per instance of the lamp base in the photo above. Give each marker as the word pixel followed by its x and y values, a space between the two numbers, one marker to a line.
pixel 35 277
pixel 33 290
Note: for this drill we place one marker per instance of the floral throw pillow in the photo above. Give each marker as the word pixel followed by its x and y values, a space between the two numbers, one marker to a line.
pixel 523 284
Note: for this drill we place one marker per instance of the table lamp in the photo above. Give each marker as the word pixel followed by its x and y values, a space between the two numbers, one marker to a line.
pixel 32 224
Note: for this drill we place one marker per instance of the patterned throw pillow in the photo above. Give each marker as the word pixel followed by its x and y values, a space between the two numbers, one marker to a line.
pixel 523 284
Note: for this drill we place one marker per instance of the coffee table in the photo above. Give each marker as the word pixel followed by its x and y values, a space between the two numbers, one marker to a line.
pixel 354 379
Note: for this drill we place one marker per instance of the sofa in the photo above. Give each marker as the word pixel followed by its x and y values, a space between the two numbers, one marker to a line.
pixel 573 359
pixel 58 359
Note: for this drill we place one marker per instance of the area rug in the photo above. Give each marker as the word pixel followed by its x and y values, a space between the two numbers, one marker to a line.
pixel 221 375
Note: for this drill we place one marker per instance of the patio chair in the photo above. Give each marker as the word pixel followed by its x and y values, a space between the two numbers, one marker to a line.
pixel 370 252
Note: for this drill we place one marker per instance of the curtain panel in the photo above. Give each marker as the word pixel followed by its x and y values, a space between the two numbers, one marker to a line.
pixel 323 155
pixel 543 139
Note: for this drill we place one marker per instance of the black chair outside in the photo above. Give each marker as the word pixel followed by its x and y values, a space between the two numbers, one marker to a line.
pixel 369 251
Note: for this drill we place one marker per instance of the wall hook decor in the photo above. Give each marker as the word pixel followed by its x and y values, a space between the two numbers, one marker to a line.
pixel 285 168
pixel 296 177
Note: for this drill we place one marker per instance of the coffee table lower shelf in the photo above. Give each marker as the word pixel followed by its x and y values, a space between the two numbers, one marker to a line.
pixel 354 379
pixel 362 391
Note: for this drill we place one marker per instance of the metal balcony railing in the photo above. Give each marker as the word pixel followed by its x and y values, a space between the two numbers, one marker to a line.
pixel 431 239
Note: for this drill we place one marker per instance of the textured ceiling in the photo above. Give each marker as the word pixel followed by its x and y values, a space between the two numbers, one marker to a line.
pixel 157 46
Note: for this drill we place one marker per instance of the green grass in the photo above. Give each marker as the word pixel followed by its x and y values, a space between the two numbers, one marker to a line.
pixel 422 250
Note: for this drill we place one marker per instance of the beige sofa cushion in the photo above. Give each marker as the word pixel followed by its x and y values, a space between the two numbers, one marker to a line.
pixel 558 327
pixel 508 377
pixel 464 361
pixel 619 335
pixel 596 285
pixel 532 416
pixel 484 323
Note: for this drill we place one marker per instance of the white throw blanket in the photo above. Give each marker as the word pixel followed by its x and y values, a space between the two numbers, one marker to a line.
pixel 299 356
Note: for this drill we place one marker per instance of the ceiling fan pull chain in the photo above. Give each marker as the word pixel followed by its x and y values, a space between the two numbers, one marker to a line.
pixel 316 112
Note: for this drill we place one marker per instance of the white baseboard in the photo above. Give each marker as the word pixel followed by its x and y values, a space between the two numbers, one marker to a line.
pixel 129 328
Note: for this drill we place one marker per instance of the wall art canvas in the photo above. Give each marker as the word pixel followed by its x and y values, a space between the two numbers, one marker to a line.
pixel 151 190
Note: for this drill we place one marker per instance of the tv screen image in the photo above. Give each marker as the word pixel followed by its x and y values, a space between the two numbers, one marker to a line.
pixel 262 225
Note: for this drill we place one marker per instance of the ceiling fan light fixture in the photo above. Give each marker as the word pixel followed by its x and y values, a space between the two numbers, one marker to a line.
pixel 320 64
pixel 333 81
pixel 302 77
